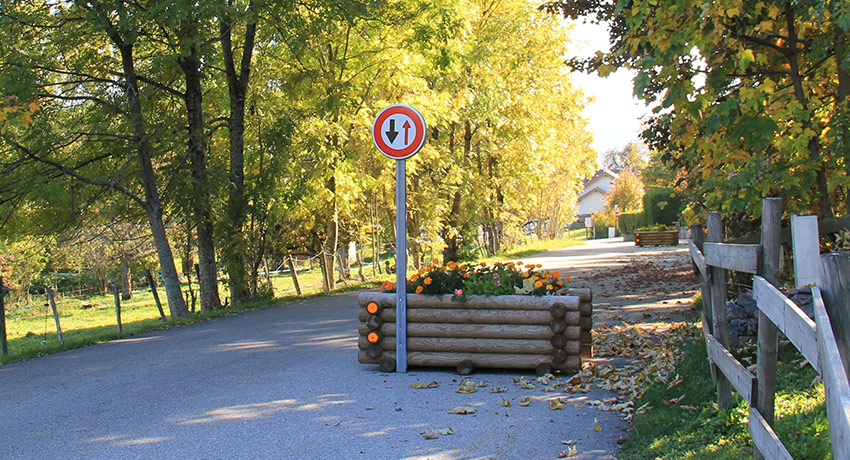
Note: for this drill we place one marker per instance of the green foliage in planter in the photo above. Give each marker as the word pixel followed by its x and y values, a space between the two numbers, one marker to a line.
pixel 655 228
pixel 662 206
pixel 482 279
pixel 629 222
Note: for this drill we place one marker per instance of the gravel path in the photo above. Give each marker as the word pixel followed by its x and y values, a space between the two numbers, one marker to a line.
pixel 284 383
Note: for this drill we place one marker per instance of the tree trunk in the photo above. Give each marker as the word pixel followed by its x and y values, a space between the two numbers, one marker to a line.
pixel 124 269
pixel 235 245
pixel 208 273
pixel 842 58
pixel 331 236
pixel 450 231
pixel 152 204
pixel 814 145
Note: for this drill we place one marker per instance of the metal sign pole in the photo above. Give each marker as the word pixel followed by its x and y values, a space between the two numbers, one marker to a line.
pixel 401 266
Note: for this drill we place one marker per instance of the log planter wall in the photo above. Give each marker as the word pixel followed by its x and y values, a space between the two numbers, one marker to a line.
pixel 544 333
pixel 657 238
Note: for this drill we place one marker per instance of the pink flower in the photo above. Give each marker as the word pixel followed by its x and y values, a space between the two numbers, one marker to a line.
pixel 458 291
pixel 498 283
pixel 496 276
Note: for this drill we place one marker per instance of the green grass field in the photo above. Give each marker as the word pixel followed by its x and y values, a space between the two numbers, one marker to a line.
pixel 31 330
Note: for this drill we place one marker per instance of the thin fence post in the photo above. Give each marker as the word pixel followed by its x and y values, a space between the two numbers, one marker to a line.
pixel 52 302
pixel 4 345
pixel 152 284
pixel 771 233
pixel 294 275
pixel 118 308
pixel 717 287
pixel 698 237
pixel 805 246
pixel 835 277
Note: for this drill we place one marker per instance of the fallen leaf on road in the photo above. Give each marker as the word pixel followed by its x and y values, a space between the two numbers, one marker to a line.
pixel 526 401
pixel 463 410
pixel 446 431
pixel 505 402
pixel 571 452
pixel 466 387
pixel 421 385
pixel 524 384
pixel 498 390
pixel 555 404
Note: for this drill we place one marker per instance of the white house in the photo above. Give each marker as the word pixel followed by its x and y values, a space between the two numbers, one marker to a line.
pixel 592 198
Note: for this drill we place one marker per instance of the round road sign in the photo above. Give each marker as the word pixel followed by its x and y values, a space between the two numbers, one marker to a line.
pixel 399 131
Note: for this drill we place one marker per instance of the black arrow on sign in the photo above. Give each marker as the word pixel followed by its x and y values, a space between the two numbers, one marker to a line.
pixel 392 133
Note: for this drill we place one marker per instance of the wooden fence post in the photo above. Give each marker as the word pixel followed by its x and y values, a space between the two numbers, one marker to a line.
pixel 294 275
pixel 4 345
pixel 698 237
pixel 118 308
pixel 152 284
pixel 835 277
pixel 52 302
pixel 717 288
pixel 771 229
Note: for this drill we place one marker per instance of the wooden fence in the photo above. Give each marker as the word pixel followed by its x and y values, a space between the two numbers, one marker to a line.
pixel 824 342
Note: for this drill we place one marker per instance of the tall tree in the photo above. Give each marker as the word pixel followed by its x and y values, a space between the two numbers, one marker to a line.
pixel 744 93
pixel 92 120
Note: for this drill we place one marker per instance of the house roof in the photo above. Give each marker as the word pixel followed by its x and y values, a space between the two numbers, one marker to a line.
pixel 602 172
pixel 589 191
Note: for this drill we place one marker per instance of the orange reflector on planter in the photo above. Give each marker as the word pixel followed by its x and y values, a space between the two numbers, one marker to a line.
pixel 373 337
pixel 372 308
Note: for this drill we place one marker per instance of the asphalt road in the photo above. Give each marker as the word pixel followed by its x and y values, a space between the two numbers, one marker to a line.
pixel 279 383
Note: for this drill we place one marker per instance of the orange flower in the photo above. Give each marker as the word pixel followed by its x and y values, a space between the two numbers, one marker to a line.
pixel 436 261
pixel 569 278
pixel 560 283
pixel 519 263
pixel 549 287
pixel 554 275
pixel 538 283
pixel 419 289
pixel 428 281
pixel 466 275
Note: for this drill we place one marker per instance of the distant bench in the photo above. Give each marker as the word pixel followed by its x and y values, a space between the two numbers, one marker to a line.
pixel 657 238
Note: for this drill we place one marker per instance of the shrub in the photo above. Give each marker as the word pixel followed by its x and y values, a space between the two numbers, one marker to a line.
pixel 603 220
pixel 629 222
pixel 662 206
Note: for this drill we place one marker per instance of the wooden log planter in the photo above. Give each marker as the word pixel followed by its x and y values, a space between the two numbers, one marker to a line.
pixel 512 331
pixel 657 238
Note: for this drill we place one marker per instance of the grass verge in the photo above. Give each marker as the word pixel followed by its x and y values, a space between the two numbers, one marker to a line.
pixel 694 427
pixel 31 330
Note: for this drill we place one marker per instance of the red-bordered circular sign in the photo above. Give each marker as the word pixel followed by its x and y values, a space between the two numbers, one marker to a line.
pixel 399 131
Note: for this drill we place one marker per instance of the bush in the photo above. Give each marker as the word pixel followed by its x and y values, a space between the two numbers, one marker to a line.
pixel 662 206
pixel 603 220
pixel 629 222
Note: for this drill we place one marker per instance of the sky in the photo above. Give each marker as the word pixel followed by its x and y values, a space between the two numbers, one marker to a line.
pixel 614 115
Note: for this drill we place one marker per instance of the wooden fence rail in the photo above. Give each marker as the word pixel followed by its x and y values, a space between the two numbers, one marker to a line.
pixel 822 343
